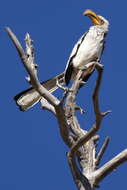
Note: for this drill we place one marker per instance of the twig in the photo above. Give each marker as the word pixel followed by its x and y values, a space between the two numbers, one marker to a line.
pixel 46 105
pixel 102 151
pixel 17 44
pixel 80 109
pixel 30 55
pixel 97 112
pixel 106 169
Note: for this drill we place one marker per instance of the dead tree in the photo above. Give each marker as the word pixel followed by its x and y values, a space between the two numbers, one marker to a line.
pixel 82 157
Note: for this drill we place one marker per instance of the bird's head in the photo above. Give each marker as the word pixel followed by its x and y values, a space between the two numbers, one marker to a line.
pixel 96 19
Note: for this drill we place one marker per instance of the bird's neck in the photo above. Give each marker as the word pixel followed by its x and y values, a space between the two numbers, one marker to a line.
pixel 99 29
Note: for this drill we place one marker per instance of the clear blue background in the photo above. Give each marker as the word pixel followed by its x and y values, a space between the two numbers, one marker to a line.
pixel 32 154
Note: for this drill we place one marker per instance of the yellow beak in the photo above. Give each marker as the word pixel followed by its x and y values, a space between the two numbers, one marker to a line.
pixel 93 16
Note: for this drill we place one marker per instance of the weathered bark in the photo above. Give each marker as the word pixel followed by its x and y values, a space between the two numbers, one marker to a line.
pixel 82 157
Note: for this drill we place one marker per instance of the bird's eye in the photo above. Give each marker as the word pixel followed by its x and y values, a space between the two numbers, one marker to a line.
pixel 102 22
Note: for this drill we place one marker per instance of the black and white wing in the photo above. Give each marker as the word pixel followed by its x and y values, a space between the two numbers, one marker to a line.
pixel 69 67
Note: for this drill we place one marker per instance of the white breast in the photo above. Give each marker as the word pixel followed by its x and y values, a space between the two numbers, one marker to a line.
pixel 90 48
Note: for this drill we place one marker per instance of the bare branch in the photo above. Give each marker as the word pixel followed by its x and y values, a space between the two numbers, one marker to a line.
pixel 30 54
pixel 96 93
pixel 80 180
pixel 102 150
pixel 46 105
pixel 98 114
pixel 33 76
pixel 27 60
pixel 63 125
pixel 105 170
pixel 83 139
pixel 17 44
pixel 82 143
pixel 70 105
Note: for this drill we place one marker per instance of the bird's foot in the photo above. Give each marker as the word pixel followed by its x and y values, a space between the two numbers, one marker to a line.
pixel 88 65
pixel 99 66
pixel 82 82
pixel 65 89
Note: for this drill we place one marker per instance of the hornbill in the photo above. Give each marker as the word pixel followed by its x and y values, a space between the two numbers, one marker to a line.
pixel 87 51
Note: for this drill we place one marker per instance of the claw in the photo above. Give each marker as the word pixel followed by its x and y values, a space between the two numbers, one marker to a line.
pixel 99 66
pixel 82 82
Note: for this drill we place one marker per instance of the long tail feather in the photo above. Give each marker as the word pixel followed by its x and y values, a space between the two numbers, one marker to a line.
pixel 30 97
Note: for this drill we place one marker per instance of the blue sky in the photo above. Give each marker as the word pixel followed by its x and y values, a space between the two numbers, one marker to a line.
pixel 32 154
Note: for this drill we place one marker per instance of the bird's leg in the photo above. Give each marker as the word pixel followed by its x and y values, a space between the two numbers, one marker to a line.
pixel 65 89
pixel 99 66
pixel 87 66
pixel 87 70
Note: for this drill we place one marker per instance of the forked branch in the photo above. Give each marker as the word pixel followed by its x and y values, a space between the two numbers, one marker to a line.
pixel 28 64
pixel 98 114
pixel 31 71
pixel 81 142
